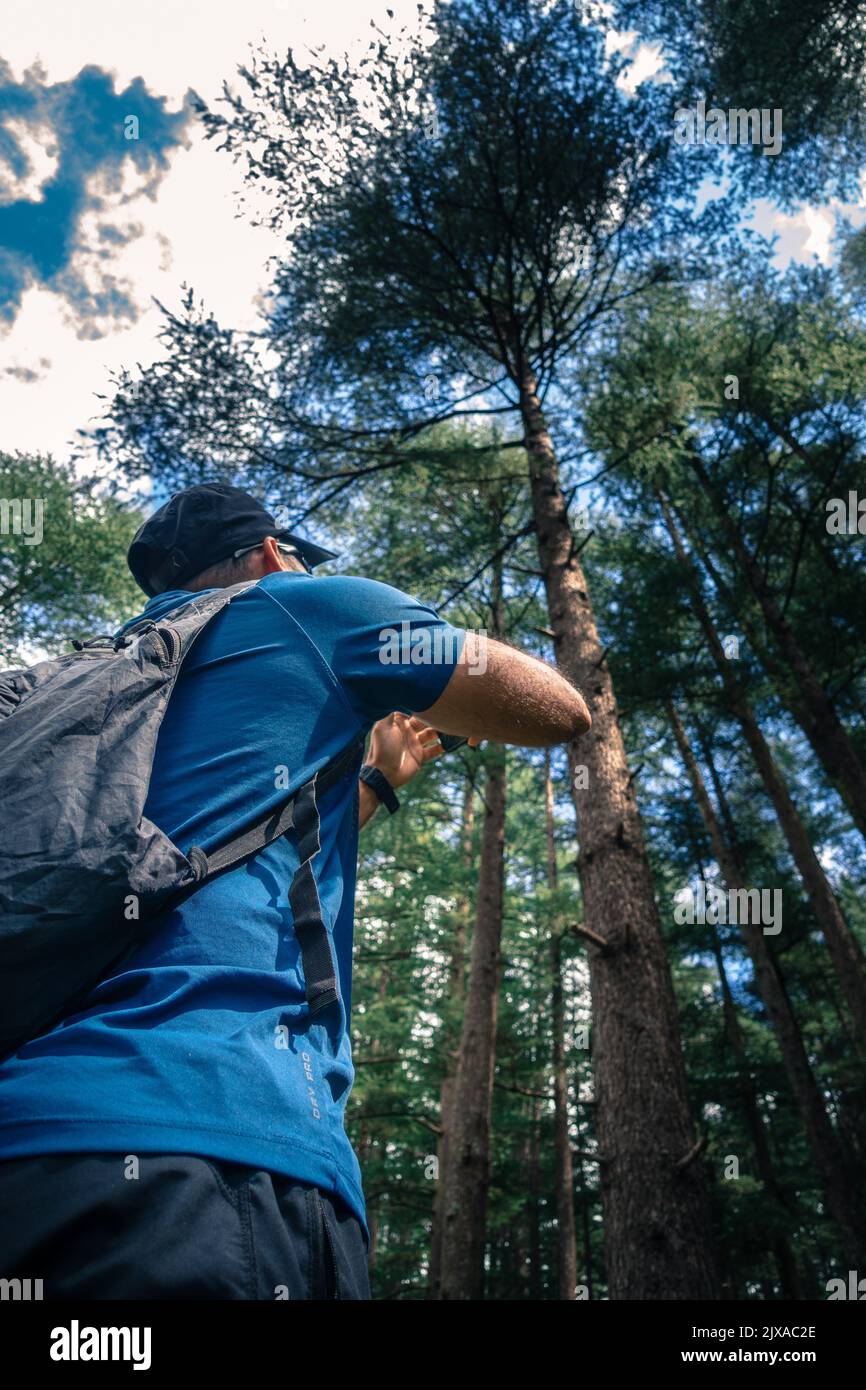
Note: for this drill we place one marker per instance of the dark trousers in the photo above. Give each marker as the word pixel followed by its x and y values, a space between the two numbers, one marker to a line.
pixel 183 1228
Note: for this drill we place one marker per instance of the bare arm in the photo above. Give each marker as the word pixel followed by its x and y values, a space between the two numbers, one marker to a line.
pixel 497 692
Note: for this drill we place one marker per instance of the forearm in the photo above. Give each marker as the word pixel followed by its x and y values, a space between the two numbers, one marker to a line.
pixel 510 697
pixel 368 804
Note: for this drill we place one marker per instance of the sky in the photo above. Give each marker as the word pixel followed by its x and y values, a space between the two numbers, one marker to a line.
pixel 95 224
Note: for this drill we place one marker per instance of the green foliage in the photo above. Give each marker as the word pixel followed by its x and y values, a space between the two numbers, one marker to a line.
pixel 63 561
pixel 460 205
pixel 434 255
pixel 804 57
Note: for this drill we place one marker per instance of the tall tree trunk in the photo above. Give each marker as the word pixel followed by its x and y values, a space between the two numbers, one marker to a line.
pixel 567 1237
pixel 844 948
pixel 658 1233
pixel 453 1009
pixel 783 1253
pixel 786 1264
pixel 842 1197
pixel 467 1172
pixel 533 1202
pixel 816 713
pixel 585 1199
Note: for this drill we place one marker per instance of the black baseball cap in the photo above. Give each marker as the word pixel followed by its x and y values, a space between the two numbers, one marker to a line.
pixel 201 526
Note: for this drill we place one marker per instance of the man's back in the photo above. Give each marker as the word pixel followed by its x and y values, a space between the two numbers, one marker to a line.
pixel 201 1042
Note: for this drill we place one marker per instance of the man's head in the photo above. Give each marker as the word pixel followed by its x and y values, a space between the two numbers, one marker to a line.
pixel 269 557
pixel 211 536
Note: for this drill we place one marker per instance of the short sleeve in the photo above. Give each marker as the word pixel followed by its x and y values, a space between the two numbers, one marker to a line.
pixel 387 650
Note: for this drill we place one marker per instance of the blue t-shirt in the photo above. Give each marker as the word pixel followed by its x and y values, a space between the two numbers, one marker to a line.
pixel 201 1041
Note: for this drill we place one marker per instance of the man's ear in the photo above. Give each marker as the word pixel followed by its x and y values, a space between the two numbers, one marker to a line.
pixel 272 560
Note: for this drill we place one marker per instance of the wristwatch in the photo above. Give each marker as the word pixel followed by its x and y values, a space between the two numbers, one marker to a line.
pixel 379 784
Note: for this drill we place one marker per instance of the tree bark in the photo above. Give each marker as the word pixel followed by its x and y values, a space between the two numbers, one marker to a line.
pixel 453 1005
pixel 367 1146
pixel 844 949
pixel 532 1266
pixel 657 1224
pixel 467 1172
pixel 585 1198
pixel 567 1236
pixel 842 1197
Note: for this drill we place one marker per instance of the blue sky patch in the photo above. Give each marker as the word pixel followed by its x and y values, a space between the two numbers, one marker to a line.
pixel 94 131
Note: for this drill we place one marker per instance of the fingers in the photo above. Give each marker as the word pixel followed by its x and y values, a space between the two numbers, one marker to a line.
pixel 424 735
pixel 388 721
pixel 427 739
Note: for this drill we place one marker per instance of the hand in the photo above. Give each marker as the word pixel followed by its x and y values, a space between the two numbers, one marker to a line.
pixel 400 745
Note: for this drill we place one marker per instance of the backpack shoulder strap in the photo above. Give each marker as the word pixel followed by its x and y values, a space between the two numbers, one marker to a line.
pixel 273 824
pixel 301 813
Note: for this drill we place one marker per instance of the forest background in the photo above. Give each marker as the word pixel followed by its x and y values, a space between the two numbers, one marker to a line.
pixel 523 358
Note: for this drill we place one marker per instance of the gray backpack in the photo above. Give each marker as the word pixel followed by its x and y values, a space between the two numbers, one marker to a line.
pixel 82 870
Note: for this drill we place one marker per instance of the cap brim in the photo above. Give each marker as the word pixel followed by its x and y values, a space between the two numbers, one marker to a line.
pixel 313 554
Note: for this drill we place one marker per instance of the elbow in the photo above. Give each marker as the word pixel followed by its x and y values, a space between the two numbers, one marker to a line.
pixel 573 721
pixel 582 722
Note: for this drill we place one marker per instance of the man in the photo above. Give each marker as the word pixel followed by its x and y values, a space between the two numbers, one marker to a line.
pixel 181 1135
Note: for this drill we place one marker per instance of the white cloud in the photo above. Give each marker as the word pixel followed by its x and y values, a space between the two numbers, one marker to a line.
pixel 616 40
pixel 175 45
pixel 646 61
pixel 807 233
pixel 189 232
pixel 38 146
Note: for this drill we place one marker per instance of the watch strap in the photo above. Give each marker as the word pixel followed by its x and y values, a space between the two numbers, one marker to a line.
pixel 380 786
